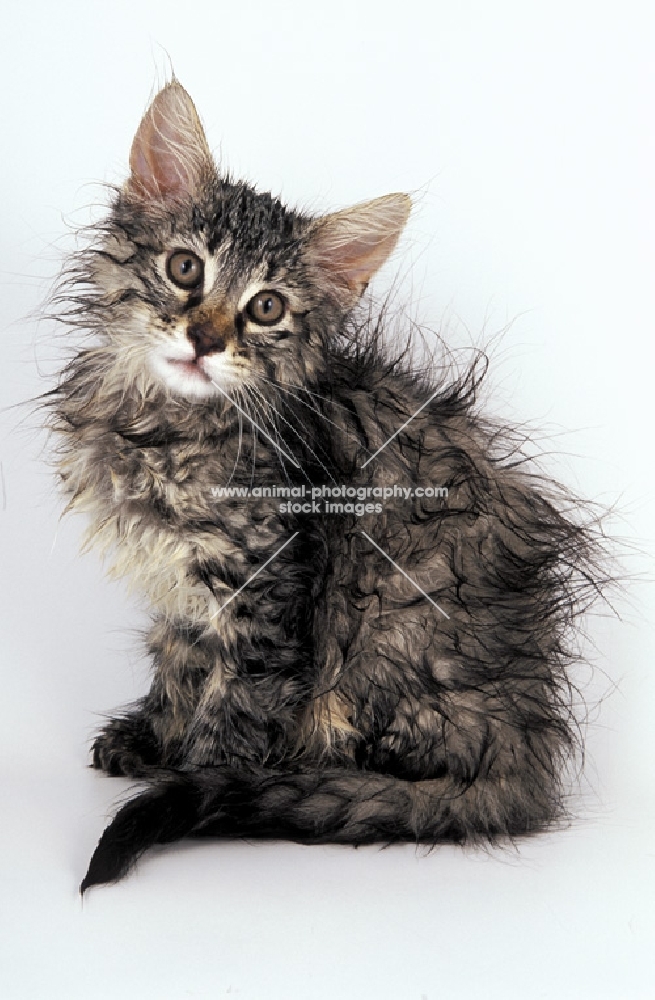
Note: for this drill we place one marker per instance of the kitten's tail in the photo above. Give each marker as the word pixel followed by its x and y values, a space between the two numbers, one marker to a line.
pixel 330 805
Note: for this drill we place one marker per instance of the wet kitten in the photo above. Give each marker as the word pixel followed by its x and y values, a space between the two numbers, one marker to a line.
pixel 395 673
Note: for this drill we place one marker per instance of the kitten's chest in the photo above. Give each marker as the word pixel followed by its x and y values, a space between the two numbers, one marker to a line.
pixel 159 516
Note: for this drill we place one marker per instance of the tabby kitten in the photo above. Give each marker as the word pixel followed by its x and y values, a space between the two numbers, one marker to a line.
pixel 390 672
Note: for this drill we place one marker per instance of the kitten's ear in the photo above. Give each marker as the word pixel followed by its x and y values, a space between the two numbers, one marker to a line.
pixel 169 155
pixel 351 245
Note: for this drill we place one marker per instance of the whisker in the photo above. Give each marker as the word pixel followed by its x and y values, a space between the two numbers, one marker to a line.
pixel 282 453
pixel 261 429
pixel 246 409
pixel 319 413
pixel 300 436
pixel 271 424
pixel 239 396
pixel 292 414
pixel 317 395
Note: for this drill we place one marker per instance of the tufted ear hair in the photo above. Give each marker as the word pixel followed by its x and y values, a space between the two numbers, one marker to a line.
pixel 351 245
pixel 169 155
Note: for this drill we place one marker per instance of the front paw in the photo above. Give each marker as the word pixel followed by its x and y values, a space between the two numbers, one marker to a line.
pixel 126 747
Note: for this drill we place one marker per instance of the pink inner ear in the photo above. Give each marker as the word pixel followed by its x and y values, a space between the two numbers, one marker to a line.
pixel 358 260
pixel 157 161
pixel 351 245
pixel 169 152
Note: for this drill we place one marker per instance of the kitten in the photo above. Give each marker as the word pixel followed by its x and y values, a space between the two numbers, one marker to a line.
pixel 387 671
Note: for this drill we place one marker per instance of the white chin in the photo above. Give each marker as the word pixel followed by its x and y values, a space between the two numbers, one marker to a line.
pixel 200 379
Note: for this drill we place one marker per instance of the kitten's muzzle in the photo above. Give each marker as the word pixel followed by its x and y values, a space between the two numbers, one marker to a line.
pixel 206 339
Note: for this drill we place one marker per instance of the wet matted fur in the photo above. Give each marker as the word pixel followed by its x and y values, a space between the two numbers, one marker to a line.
pixel 393 674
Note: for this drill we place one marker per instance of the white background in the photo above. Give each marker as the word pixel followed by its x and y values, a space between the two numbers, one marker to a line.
pixel 525 130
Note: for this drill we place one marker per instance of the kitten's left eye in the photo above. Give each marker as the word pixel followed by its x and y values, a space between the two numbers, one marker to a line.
pixel 185 269
pixel 266 308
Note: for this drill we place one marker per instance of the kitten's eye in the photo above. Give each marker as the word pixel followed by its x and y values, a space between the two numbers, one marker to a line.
pixel 185 269
pixel 266 308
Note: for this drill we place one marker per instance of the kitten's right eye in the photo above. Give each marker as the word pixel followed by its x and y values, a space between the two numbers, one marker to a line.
pixel 185 269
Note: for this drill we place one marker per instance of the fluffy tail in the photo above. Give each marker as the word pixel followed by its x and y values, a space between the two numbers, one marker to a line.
pixel 317 807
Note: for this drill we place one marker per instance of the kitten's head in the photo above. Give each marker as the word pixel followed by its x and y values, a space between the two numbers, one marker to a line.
pixel 202 284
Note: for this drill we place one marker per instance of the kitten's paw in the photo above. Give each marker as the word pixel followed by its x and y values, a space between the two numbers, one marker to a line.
pixel 126 748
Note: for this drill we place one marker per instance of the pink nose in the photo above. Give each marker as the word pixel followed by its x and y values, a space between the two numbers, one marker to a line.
pixel 206 339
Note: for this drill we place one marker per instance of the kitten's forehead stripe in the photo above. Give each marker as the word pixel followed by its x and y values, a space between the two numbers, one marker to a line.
pixel 257 220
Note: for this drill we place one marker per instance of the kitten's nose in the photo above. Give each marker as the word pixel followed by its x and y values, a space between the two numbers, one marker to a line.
pixel 205 339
